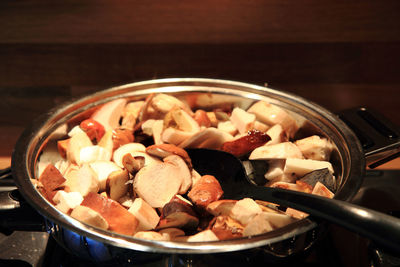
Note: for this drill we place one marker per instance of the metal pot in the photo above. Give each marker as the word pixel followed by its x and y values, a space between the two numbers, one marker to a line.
pixel 349 158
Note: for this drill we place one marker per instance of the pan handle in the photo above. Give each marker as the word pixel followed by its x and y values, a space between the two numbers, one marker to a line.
pixel 379 137
pixel 15 213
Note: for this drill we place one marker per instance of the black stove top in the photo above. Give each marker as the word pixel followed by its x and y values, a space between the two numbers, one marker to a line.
pixel 338 247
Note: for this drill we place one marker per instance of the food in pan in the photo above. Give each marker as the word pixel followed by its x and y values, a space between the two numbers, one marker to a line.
pixel 124 168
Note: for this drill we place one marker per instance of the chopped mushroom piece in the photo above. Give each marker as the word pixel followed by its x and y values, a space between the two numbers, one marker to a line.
pixel 242 120
pixel 316 148
pixel 165 150
pixel 271 115
pixel 203 236
pixel 116 184
pixel 221 207
pixel 259 224
pixel 89 216
pixel 150 235
pixel 179 214
pixel 322 190
pixel 158 183
pixel 82 179
pixel 65 201
pixel 205 191
pixel 146 215
pixel 278 151
pixel 244 210
pixel 110 113
pixel 300 167
pixel 52 180
pixel 208 138
pixel 119 219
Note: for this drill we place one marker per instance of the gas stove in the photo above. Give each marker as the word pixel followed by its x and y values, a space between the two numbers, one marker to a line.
pixel 337 247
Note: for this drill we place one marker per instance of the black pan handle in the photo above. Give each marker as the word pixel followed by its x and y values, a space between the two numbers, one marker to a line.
pixel 15 213
pixel 379 137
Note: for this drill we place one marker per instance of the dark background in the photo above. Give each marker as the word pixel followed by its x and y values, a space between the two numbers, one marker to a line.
pixel 337 53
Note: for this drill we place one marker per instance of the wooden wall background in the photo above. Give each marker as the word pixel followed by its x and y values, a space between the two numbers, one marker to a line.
pixel 338 53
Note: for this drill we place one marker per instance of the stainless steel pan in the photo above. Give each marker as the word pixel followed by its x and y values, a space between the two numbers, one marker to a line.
pixel 349 158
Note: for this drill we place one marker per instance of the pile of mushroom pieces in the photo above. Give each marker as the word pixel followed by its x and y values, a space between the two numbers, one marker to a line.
pixel 124 168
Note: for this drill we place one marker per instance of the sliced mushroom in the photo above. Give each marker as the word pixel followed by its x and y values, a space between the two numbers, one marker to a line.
pixel 205 191
pixel 116 184
pixel 82 179
pixel 300 167
pixel 277 134
pixel 102 169
pixel 75 145
pixel 184 172
pixel 259 224
pixel 65 201
pixel 158 183
pixel 146 215
pixel 89 216
pixel 164 150
pixel 242 120
pixel 164 103
pixel 244 210
pixel 227 126
pixel 278 151
pixel 131 113
pixel 110 113
pixel 180 119
pixel 179 214
pixel 316 148
pixel 135 149
pixel 133 164
pixel 322 190
pixel 119 219
pixel 203 236
pixel 224 227
pixel 90 154
pixel 208 138
pixel 271 115
pixel 174 136
pixel 221 207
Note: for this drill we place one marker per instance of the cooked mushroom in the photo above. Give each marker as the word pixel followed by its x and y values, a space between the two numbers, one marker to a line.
pixel 89 216
pixel 179 214
pixel 316 148
pixel 110 113
pixel 158 183
pixel 242 120
pixel 206 190
pixel 271 115
pixel 82 179
pixel 146 215
pixel 165 150
pixel 224 227
pixel 116 184
pixel 119 219
pixel 278 151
